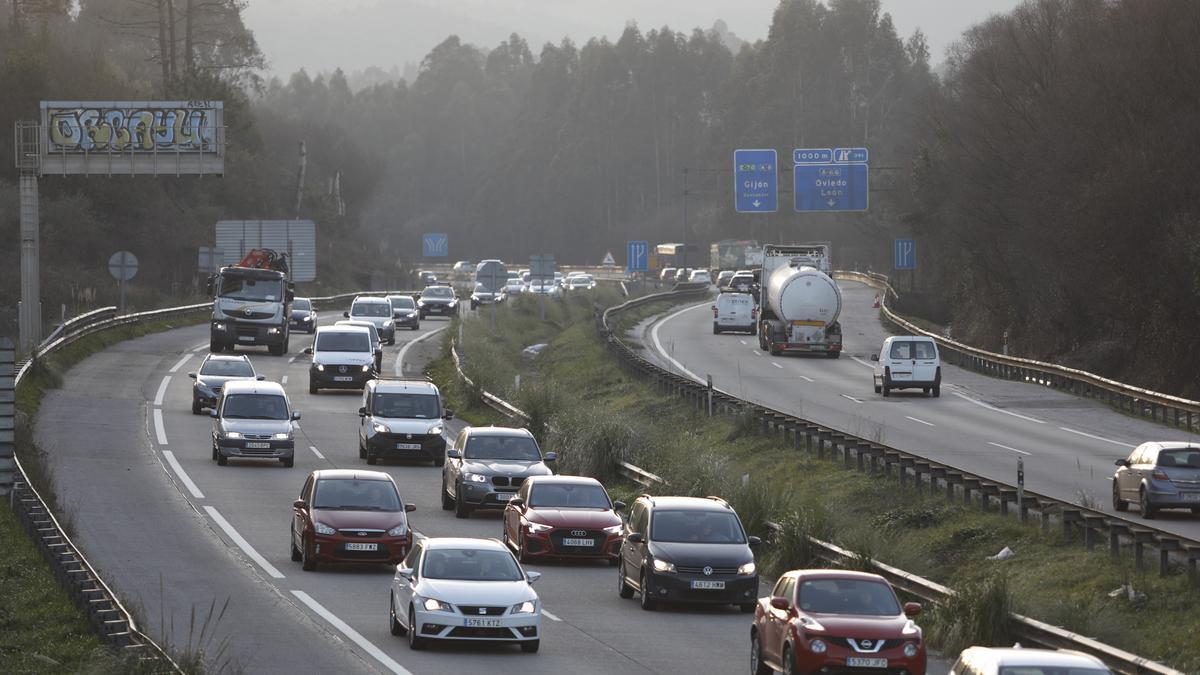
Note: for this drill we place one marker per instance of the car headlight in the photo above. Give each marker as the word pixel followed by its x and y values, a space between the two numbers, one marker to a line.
pixel 910 649
pixel 379 428
pixel 283 436
pixel 910 628
pixel 615 529
pixel 810 623
pixel 320 367
pixel 527 607
pixel 322 528
pixel 433 605
pixel 420 303
pixel 817 646
pixel 366 368
pixel 435 430
pixel 387 324
pixel 272 331
pixel 475 477
pixel 398 531
pixel 747 569
pixel 663 566
pixel 218 326
pixel 535 528
pixel 308 318
pixel 233 434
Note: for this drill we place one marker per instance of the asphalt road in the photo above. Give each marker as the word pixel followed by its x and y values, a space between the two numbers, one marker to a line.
pixel 979 424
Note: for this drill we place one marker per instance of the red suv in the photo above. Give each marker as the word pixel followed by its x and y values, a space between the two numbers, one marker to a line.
pixel 350 516
pixel 818 620
pixel 563 516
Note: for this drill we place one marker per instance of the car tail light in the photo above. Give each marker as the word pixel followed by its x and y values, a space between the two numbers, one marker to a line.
pixel 887 371
pixel 753 312
pixel 714 311
pixel 1160 475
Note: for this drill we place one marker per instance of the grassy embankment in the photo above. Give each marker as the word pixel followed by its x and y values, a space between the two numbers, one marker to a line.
pixel 593 413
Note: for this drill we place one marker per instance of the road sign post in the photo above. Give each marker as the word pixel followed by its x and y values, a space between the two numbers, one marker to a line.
pixel 123 265
pixel 830 180
pixel 435 245
pixel 541 268
pixel 756 181
pixel 1021 488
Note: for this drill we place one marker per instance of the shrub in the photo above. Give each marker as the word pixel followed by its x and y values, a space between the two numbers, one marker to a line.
pixel 978 614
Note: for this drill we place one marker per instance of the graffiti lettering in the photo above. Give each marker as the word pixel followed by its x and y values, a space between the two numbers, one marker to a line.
pixel 77 130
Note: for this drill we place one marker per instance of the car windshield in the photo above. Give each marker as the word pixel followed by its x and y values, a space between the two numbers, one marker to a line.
pixel 343 342
pixel 351 494
pixel 699 527
pixel 405 405
pixel 860 597
pixel 910 349
pixel 227 368
pixel 437 292
pixel 254 407
pixel 402 302
pixel 468 564
pixel 239 288
pixel 583 279
pixel 371 309
pixel 302 303
pixel 1179 457
pixel 1051 670
pixel 520 448
pixel 568 496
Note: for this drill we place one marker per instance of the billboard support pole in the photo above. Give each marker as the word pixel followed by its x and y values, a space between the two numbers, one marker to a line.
pixel 31 294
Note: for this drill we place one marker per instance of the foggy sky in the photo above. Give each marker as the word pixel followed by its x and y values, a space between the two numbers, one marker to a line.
pixel 320 35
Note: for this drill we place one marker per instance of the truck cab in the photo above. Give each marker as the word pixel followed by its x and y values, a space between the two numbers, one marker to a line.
pixel 250 307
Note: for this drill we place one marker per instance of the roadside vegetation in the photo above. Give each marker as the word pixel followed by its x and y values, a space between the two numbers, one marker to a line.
pixel 593 413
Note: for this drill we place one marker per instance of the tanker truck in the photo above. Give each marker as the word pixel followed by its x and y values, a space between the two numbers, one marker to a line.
pixel 799 304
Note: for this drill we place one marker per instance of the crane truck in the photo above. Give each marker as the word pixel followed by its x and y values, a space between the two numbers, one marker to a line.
pixel 251 303
pixel 799 303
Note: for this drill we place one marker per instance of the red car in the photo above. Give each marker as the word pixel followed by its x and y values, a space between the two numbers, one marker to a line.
pixel 350 516
pixel 563 516
pixel 834 621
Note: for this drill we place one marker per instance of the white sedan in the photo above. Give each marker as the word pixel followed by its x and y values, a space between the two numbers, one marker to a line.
pixel 451 588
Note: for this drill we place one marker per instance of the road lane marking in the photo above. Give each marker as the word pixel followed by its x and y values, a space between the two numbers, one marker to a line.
pixel 743 342
pixel 159 430
pixel 316 451
pixel 1098 438
pixel 355 637
pixel 201 346
pixel 993 408
pixel 851 398
pixel 550 616
pixel 283 380
pixel 162 390
pixel 865 363
pixel 663 352
pixel 293 359
pixel 928 424
pixel 183 477
pixel 1008 448
pixel 242 543
pixel 777 365
pixel 180 363
pixel 756 352
pixel 807 378
pixel 399 368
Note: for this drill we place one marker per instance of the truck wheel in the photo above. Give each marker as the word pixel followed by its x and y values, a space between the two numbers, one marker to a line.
pixel 834 355
pixel 887 390
pixel 753 329
pixel 877 389
pixel 276 350
pixel 215 347
pixel 716 331
pixel 937 390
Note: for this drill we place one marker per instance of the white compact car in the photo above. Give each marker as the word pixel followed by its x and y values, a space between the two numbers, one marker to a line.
pixel 700 277
pixel 451 588
pixel 735 311
pixel 908 362
pixel 993 661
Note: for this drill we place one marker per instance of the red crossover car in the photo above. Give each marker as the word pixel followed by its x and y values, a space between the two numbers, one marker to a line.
pixel 350 516
pixel 835 621
pixel 563 516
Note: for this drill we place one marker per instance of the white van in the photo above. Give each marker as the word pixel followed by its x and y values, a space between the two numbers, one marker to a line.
pixel 735 311
pixel 908 362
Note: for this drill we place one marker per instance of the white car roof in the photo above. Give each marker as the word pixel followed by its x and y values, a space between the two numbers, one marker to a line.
pixel 344 327
pixel 908 338
pixel 463 542
pixel 1020 656
pixel 252 387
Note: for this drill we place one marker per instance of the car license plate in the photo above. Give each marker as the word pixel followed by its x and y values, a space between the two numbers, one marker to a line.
pixel 255 444
pixel 859 662
pixel 408 446
pixel 246 338
pixel 700 585
pixel 481 623
pixel 505 496
pixel 343 378
pixel 1191 496
pixel 356 546
pixel 579 542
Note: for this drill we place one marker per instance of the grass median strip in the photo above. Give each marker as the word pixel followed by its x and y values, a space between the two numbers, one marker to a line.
pixel 593 413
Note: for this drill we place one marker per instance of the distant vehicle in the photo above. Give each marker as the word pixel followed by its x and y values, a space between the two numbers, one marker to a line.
pixel 800 627
pixel 378 312
pixel 444 578
pixel 304 317
pixel 723 278
pixel 426 278
pixel 687 549
pixel 544 287
pixel 254 420
pixel 525 275
pixel 487 465
pixel 742 281
pixel 438 300
pixel 576 273
pixel 482 296
pixel 798 305
pixel 667 274
pixel 251 305
pixel 402 419
pixel 214 372
pixel 352 516
pixel 734 311
pixel 514 286
pixel 558 278
pixel 342 358
pixel 404 311
pixel 580 282
pixel 1158 476
pixel 700 277
pixel 681 274
pixel 463 268
pixel 733 254
pixel 376 343
pixel 1025 661
pixel 563 517
pixel 908 362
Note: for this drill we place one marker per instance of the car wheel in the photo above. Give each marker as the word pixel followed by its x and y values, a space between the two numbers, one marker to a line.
pixel 1118 503
pixel 362 451
pixel 612 562
pixel 214 346
pixel 754 330
pixel 1148 510
pixel 925 390
pixel 447 500
pixel 757 667
pixel 414 642
pixel 222 460
pixel 196 407
pixel 394 624
pixel 276 350
pixel 372 459
pixel 531 646
pixel 746 607
pixel 440 460
pixel 296 556
pixel 716 331
pixel 774 351
pixel 623 588
pixel 522 556
pixel 937 390
pixel 216 454
pixel 1196 510
pixel 461 510
pixel 288 462
pixel 417 326
pixel 308 562
pixel 789 662
pixel 648 602
pixel 312 387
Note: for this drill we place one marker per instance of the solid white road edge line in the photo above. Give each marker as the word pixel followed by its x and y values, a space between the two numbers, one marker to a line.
pixel 663 352
pixel 180 363
pixel 159 430
pixel 162 390
pixel 1008 448
pixel 993 408
pixel 242 543
pixel 201 346
pixel 1098 438
pixel 550 616
pixel 354 636
pixel 865 363
pixel 399 368
pixel 183 477
pixel 928 424
pixel 316 451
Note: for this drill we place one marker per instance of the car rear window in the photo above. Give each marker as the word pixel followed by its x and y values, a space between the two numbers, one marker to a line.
pixel 913 349
pixel 1180 457
pixel 470 565
pixel 351 494
pixel 859 597
pixel 403 302
pixel 254 407
pixel 343 342
pixel 697 527
pixel 223 368
pixel 1051 670
pixel 569 496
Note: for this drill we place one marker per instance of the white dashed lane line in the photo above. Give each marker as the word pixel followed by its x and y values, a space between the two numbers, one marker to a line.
pixel 316 451
pixel 162 390
pixel 777 365
pixel 242 543
pixel 354 636
pixel 159 431
pixel 993 408
pixel 550 616
pixel 179 364
pixel 856 400
pixel 1098 438
pixel 1005 447
pixel 183 477
pixel 807 378
pixel 928 424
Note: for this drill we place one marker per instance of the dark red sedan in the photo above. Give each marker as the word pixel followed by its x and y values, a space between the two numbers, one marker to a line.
pixel 834 620
pixel 350 516
pixel 563 516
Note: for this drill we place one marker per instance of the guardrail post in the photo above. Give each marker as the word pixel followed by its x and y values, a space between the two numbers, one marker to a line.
pixel 1115 531
pixel 1140 539
pixel 710 396
pixel 970 484
pixel 8 467
pixel 936 472
pixel 1090 525
pixel 1193 555
pixel 1165 546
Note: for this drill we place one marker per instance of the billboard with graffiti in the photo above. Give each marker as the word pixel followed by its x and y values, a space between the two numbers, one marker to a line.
pixel 158 137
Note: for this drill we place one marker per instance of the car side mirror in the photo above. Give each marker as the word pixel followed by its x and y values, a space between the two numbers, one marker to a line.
pixel 409 508
pixel 754 541
pixel 533 576
pixel 362 412
pixel 260 378
pixel 517 501
pixel 300 504
pixel 453 454
pixel 295 414
pixel 550 457
pixel 404 572
pixel 912 609
pixel 212 413
pixel 346 314
pixel 618 506
pixel 635 538
pixel 192 375
pixel 1122 462
pixel 308 350
pixel 874 357
pixel 448 414
pixel 781 603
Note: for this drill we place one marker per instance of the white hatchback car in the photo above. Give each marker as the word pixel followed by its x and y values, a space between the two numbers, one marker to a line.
pixel 451 588
pixel 994 661
pixel 700 277
pixel 734 311
pixel 908 362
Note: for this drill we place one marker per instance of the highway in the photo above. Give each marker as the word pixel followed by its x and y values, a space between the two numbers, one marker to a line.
pixel 979 424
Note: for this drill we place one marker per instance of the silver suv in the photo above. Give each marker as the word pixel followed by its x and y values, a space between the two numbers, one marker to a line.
pixel 486 467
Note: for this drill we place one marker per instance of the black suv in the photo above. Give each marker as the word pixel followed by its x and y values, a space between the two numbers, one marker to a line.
pixel 487 465
pixel 687 549
pixel 402 419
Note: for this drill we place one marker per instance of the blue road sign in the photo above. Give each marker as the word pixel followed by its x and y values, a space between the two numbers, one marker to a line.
pixel 850 155
pixel 906 254
pixel 812 156
pixel 756 181
pixel 435 245
pixel 637 258
pixel 831 187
